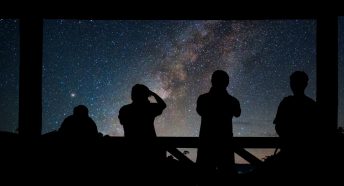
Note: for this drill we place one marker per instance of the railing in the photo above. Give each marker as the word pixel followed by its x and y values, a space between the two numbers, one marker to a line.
pixel 240 143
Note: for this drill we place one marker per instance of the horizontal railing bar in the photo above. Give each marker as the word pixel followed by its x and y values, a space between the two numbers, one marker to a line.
pixel 193 142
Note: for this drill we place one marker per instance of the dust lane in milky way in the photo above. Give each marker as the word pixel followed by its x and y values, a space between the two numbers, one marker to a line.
pixel 97 62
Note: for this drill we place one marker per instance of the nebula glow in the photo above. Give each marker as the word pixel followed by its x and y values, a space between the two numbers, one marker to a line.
pixel 97 62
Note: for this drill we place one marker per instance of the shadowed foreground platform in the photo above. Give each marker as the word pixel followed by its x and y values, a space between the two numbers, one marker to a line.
pixel 110 160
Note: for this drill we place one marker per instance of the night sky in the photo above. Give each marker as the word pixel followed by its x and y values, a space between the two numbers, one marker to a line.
pixel 96 63
pixel 9 74
pixel 341 72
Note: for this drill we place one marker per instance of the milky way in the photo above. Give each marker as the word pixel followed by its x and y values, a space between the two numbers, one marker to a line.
pixel 97 62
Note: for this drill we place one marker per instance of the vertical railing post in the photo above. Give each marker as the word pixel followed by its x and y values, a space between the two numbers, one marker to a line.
pixel 30 78
pixel 327 71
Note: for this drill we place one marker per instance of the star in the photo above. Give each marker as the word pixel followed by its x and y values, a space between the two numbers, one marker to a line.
pixel 175 59
pixel 96 63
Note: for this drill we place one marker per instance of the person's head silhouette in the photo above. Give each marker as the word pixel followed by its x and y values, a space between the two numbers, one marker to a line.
pixel 298 82
pixel 81 111
pixel 220 79
pixel 139 93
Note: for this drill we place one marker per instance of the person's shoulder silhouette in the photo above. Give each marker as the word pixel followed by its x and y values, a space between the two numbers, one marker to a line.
pixel 296 114
pixel 79 125
pixel 296 120
pixel 217 107
pixel 138 117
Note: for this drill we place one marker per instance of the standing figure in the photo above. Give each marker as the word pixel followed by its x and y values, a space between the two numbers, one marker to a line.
pixel 295 121
pixel 137 119
pixel 217 108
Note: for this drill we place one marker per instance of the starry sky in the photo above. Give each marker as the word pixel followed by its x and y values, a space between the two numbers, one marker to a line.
pixel 96 63
pixel 9 74
pixel 341 71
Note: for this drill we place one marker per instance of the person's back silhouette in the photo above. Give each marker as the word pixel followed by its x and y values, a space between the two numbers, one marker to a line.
pixel 296 120
pixel 138 117
pixel 217 109
pixel 79 125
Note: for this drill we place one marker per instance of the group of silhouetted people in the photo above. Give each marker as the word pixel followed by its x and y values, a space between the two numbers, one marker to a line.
pixel 295 123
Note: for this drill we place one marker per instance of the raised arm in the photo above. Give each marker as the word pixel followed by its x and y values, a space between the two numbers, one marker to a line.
pixel 158 99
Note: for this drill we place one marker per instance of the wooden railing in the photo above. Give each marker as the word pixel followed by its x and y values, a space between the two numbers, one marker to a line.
pixel 171 144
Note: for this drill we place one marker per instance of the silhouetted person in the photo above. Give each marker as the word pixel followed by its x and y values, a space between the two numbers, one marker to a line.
pixel 79 125
pixel 217 108
pixel 137 119
pixel 296 123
